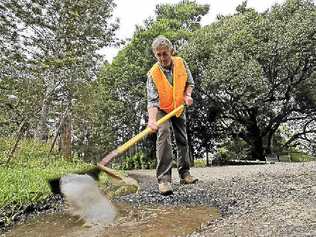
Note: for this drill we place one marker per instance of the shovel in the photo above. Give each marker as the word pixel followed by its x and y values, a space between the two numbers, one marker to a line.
pixel 101 166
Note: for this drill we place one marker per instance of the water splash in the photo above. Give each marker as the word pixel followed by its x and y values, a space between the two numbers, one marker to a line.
pixel 84 199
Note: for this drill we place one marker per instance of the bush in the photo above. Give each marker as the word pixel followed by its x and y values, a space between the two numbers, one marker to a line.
pixel 138 161
pixel 200 163
pixel 24 179
pixel 295 156
pixel 235 149
pixel 300 157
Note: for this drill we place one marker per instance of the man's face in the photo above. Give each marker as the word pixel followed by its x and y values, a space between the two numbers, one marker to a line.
pixel 163 55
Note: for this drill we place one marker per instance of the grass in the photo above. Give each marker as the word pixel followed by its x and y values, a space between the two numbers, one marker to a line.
pixel 24 179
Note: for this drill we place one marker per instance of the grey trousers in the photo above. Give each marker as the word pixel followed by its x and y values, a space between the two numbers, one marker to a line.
pixel 164 148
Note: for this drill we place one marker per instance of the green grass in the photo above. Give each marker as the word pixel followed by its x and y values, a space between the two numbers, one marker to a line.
pixel 24 179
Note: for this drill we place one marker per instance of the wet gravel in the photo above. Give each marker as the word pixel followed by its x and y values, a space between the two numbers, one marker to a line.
pixel 260 200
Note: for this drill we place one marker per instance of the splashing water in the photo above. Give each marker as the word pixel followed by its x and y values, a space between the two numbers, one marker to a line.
pixel 84 199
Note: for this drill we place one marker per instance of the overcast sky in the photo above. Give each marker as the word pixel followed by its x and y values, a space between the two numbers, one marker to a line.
pixel 134 12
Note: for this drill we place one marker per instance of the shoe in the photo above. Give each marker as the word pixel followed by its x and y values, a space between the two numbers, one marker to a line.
pixel 189 179
pixel 165 188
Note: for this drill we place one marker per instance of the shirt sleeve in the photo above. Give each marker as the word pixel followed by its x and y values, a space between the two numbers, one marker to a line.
pixel 152 93
pixel 190 81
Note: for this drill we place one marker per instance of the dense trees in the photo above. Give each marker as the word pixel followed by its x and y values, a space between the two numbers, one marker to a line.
pixel 254 72
pixel 49 59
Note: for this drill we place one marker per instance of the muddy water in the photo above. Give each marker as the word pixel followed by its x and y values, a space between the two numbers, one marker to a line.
pixel 84 198
pixel 147 221
pixel 161 221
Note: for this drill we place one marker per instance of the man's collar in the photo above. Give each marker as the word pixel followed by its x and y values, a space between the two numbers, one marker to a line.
pixel 166 69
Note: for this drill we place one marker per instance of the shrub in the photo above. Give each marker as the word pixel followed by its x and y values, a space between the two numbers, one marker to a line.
pixel 200 163
pixel 24 179
pixel 137 161
pixel 300 157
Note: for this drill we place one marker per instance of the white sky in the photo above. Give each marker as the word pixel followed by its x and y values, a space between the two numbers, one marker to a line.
pixel 134 12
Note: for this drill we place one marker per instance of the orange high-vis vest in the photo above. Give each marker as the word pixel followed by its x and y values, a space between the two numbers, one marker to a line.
pixel 170 96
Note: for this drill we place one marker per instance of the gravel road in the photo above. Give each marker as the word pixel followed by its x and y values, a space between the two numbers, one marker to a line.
pixel 257 200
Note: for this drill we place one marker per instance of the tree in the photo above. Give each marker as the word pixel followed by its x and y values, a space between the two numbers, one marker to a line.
pixel 60 40
pixel 250 67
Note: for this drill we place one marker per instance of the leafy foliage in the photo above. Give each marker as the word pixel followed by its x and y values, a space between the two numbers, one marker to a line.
pixel 50 51
pixel 24 181
pixel 139 160
pixel 250 68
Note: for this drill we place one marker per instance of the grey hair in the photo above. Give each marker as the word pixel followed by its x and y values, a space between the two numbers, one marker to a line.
pixel 161 41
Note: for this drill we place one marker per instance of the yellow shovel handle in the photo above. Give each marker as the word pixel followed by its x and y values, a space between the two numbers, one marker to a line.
pixel 148 130
pixel 121 149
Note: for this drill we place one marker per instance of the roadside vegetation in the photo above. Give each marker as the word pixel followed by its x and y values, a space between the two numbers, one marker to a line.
pixel 24 179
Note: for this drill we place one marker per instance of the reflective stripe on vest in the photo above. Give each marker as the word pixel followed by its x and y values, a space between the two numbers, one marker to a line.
pixel 170 96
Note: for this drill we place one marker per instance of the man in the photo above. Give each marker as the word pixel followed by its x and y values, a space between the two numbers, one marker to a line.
pixel 169 84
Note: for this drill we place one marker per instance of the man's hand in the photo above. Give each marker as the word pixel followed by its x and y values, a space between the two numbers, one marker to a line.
pixel 188 100
pixel 152 114
pixel 153 125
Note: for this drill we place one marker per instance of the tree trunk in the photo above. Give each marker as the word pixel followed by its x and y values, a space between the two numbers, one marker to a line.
pixel 254 138
pixel 207 160
pixel 22 129
pixel 269 145
pixel 207 148
pixel 65 137
pixel 256 149
pixel 59 129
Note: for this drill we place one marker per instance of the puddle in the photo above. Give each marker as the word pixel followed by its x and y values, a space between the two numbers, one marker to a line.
pixel 97 216
pixel 160 221
pixel 147 221
pixel 50 225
